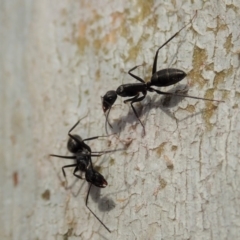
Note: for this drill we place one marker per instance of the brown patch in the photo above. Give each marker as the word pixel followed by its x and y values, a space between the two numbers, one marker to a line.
pixel 160 149
pixel 127 142
pixel 63 183
pixel 162 182
pixel 235 106
pixel 97 75
pixel 210 109
pixel 162 185
pixel 98 168
pixel 199 60
pixel 15 179
pixel 81 40
pixel 174 148
pixel 190 108
pixel 169 162
pixel 13 139
pixel 133 52
pixel 46 195
pixel 138 208
pixel 145 9
pixel 111 162
pixel 228 44
pixel 69 233
pixel 121 200
pixel 219 78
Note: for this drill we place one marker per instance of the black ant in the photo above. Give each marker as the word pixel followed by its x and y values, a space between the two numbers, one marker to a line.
pixel 83 162
pixel 162 78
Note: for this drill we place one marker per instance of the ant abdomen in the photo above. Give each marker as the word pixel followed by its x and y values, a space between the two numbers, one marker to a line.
pixel 95 178
pixel 167 77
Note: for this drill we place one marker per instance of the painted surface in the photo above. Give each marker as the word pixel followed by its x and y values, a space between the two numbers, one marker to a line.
pixel 179 181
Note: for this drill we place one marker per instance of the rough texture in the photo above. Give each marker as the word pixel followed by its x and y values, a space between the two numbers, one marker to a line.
pixel 181 180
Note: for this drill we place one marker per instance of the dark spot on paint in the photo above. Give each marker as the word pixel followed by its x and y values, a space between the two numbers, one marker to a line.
pixel 46 195
pixel 68 234
pixel 15 178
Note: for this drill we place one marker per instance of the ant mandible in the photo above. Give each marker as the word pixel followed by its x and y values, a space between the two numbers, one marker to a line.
pixel 161 78
pixel 83 162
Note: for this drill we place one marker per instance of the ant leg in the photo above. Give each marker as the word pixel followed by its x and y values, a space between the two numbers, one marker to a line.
pixel 67 157
pixel 134 76
pixel 133 100
pixel 156 55
pixel 86 203
pixel 67 166
pixel 74 173
pixel 138 100
pixel 130 99
pixel 180 95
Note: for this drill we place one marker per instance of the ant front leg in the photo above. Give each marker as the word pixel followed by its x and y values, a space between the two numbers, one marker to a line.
pixel 133 100
pixel 134 76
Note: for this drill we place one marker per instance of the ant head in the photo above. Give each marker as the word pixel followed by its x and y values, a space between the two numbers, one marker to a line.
pixel 74 144
pixel 108 100
pixel 95 178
